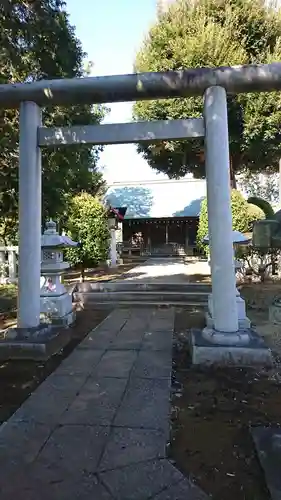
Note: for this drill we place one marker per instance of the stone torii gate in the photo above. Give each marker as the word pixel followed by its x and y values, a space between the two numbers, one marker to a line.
pixel 214 84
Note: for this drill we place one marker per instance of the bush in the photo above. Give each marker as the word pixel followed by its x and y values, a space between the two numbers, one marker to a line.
pixel 243 214
pixel 254 213
pixel 87 223
pixel 263 205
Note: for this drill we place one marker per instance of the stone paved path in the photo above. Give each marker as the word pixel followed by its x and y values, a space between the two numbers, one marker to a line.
pixel 167 270
pixel 97 428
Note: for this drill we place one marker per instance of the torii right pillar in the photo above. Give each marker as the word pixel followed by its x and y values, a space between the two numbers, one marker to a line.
pixel 224 341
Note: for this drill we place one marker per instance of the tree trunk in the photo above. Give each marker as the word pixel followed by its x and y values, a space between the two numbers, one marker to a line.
pixel 233 184
pixel 82 273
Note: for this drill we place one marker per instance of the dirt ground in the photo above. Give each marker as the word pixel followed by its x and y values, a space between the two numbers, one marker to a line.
pixel 99 274
pixel 20 378
pixel 212 411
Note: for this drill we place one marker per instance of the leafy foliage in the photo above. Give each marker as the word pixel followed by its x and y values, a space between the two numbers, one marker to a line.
pixel 265 186
pixel 88 224
pixel 243 214
pixel 37 42
pixel 257 262
pixel 263 205
pixel 254 213
pixel 207 33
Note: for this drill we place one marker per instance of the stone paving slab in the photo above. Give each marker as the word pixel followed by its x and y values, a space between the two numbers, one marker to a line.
pixel 185 490
pixel 146 404
pixel 128 339
pixel 82 361
pixel 153 364
pixel 36 483
pixel 97 427
pixel 21 442
pixel 157 341
pixel 101 336
pixel 116 364
pixel 97 339
pixel 127 446
pixel 268 446
pixel 141 481
pixel 74 448
pixel 50 400
pixel 97 402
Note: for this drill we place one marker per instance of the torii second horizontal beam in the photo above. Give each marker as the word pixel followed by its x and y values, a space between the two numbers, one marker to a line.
pixel 137 87
pixel 122 133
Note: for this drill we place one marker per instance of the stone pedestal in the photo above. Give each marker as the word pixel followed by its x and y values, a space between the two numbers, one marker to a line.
pixel 244 348
pixel 274 312
pixel 57 310
pixel 38 343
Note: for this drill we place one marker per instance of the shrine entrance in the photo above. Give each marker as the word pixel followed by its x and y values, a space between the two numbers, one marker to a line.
pixel 211 83
pixel 169 236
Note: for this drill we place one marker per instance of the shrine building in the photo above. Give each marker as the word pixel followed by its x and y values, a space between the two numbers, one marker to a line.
pixel 162 215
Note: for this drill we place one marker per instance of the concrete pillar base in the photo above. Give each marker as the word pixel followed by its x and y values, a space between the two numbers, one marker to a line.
pixel 243 348
pixel 243 323
pixel 37 343
pixel 243 320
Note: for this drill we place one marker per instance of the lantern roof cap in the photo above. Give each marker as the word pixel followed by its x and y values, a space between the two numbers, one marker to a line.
pixel 51 238
pixel 237 238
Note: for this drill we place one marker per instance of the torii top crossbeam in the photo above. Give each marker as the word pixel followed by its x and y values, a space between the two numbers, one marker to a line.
pixel 142 86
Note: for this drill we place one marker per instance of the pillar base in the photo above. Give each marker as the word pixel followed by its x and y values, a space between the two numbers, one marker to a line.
pixel 112 265
pixel 243 323
pixel 243 320
pixel 57 310
pixel 243 348
pixel 38 343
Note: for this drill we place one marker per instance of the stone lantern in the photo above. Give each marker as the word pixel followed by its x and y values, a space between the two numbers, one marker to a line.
pixel 55 301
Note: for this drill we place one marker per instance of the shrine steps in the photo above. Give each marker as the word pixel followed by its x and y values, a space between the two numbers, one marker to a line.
pixel 127 293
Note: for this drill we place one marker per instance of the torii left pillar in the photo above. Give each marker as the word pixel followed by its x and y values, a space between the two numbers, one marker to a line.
pixel 30 196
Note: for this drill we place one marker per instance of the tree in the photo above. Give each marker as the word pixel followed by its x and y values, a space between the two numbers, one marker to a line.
pixel 265 186
pixel 138 200
pixel 190 210
pixel 38 42
pixel 243 215
pixel 208 33
pixel 87 224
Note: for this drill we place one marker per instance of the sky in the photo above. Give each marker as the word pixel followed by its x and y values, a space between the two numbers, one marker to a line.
pixel 111 31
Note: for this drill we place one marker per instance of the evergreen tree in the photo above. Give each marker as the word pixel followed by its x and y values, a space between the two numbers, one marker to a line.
pixel 37 42
pixel 208 33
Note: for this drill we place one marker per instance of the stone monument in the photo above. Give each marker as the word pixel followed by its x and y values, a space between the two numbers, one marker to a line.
pixel 267 235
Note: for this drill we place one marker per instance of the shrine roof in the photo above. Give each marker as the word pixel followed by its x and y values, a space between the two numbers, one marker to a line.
pixel 158 198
